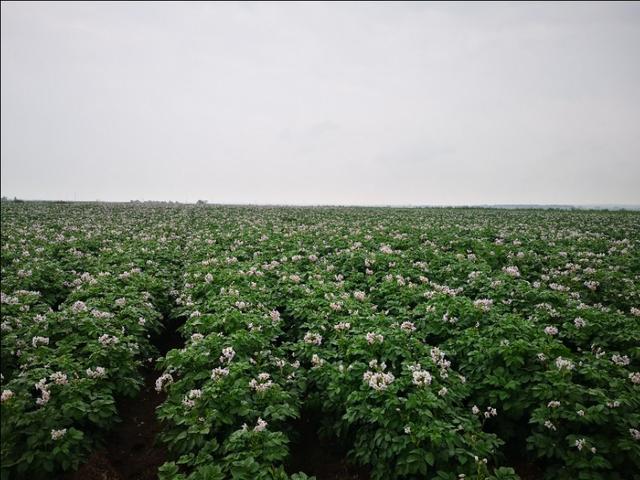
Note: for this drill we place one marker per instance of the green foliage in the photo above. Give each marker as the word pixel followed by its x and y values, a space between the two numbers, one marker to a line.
pixel 432 343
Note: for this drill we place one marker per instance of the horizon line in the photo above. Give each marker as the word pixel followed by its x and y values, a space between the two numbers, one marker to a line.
pixel 596 206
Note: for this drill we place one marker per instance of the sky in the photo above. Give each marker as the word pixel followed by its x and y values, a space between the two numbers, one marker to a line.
pixel 319 103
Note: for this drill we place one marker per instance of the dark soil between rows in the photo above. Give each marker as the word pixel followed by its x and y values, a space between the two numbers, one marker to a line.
pixel 132 452
pixel 318 456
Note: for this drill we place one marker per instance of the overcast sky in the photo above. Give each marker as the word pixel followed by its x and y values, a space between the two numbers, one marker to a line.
pixel 322 103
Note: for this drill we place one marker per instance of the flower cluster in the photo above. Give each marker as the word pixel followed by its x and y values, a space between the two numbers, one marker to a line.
pixel 37 341
pixel 342 326
pixel 377 378
pixel 564 364
pixel 420 377
pixel 189 400
pixel 313 338
pixel 227 355
pixel 262 383
pixel 108 340
pixel 512 271
pixel 261 426
pixel 58 434
pixel 163 381
pixel 218 373
pixel 373 337
pixel 97 372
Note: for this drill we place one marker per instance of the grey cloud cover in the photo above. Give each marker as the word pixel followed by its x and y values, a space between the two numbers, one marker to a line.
pixel 357 103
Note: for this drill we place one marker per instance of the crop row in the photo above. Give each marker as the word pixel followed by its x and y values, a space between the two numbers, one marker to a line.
pixel 76 331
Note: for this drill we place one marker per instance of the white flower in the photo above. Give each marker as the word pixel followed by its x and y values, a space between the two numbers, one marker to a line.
pixel 262 383
pixel 316 361
pixel 99 314
pixel 564 364
pixel 483 304
pixel 342 326
pixel 579 322
pixel 373 337
pixel 579 444
pixel 196 337
pixel 635 378
pixel 189 399
pixel 58 434
pixel 107 340
pixel 208 278
pixel 6 396
pixel 580 413
pixel 386 249
pixel 227 355
pixel 551 330
pixel 260 425
pixel 635 434
pixel 475 410
pixel 512 271
pixel 407 429
pixel 78 307
pixel 99 372
pixel 378 380
pixel 491 412
pixel 443 391
pixel 42 386
pixel 553 404
pixel 218 373
pixel 620 360
pixel 35 341
pixel 121 302
pixel 421 378
pixel 408 326
pixel 45 396
pixel 163 380
pixel 591 285
pixel 359 295
pixel 313 338
pixel 275 316
pixel 549 424
pixel 59 378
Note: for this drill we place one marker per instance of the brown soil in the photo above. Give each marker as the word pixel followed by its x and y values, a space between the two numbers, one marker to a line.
pixel 319 456
pixel 132 452
pixel 528 471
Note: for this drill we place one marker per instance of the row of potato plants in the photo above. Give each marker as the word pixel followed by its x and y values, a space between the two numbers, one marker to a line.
pixel 234 387
pixel 83 292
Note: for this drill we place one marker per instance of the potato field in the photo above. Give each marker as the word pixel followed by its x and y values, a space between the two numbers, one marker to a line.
pixel 199 342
